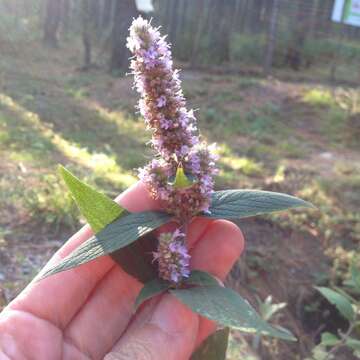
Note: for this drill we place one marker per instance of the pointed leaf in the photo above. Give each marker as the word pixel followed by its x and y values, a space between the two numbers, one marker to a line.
pixel 236 204
pixel 116 235
pixel 214 347
pixel 329 339
pixel 98 209
pixel 201 278
pixel 151 289
pixel 341 302
pixel 228 308
pixel 181 181
pixel 137 258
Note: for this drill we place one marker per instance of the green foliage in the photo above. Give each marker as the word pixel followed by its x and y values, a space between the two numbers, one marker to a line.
pixel 341 302
pixel 19 21
pixel 201 278
pixel 50 204
pixel 149 290
pixel 319 97
pixel 325 50
pixel 214 347
pixel 245 165
pixel 228 308
pixel 349 308
pixel 115 236
pixel 247 48
pixel 96 207
pixel 236 204
pixel 329 339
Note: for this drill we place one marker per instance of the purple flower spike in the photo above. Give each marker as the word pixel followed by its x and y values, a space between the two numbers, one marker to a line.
pixel 173 257
pixel 175 137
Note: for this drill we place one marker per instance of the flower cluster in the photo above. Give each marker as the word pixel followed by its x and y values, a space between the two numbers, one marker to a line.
pixel 175 136
pixel 174 132
pixel 172 257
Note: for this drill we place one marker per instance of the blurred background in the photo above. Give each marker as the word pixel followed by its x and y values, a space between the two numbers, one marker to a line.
pixel 276 83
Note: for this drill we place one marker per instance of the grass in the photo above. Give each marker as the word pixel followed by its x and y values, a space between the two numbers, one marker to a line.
pixel 319 97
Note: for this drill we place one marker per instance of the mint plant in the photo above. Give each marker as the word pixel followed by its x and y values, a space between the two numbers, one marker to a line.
pixel 349 307
pixel 181 178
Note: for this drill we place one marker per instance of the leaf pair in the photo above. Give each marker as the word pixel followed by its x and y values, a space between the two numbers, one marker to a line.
pixel 115 228
pixel 206 297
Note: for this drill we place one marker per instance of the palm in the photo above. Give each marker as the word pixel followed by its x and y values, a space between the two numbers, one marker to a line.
pixel 87 312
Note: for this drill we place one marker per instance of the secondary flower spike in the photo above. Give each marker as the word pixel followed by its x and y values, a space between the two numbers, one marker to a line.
pixel 172 257
pixel 175 137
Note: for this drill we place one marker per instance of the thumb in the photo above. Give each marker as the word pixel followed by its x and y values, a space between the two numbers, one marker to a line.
pixel 169 332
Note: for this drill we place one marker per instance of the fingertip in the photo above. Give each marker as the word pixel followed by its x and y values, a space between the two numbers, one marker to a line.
pixel 232 234
pixel 170 333
pixel 198 227
pixel 218 249
pixel 137 198
pixel 175 318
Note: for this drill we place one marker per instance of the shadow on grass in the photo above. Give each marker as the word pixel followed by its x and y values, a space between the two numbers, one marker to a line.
pixel 34 141
pixel 80 121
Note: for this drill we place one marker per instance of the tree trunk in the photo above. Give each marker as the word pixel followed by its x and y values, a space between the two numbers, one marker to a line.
pixel 203 15
pixel 90 24
pixel 107 13
pixel 174 22
pixel 243 13
pixel 219 31
pixel 313 18
pixel 270 47
pixel 65 16
pixel 86 32
pixel 52 22
pixel 255 16
pixel 124 12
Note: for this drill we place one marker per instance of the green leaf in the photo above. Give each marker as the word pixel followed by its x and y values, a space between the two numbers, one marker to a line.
pixel 353 343
pixel 116 235
pixel 98 209
pixel 151 289
pixel 341 302
pixel 355 275
pixel 137 260
pixel 201 278
pixel 235 204
pixel 214 347
pixel 228 308
pixel 329 339
pixel 181 181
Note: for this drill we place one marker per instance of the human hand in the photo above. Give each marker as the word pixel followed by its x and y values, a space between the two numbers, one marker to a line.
pixel 87 312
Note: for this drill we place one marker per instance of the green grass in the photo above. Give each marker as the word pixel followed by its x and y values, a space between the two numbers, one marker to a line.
pixel 319 97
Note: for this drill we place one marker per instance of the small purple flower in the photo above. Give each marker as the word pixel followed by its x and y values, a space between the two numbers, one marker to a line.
pixel 165 123
pixel 161 101
pixel 184 150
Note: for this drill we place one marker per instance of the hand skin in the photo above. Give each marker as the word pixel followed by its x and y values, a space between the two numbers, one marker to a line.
pixel 87 312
